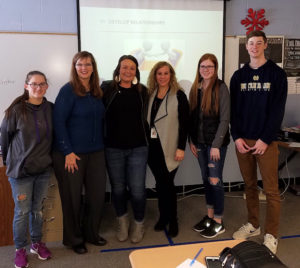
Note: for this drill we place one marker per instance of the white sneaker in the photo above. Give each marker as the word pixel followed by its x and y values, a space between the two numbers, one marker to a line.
pixel 271 243
pixel 246 231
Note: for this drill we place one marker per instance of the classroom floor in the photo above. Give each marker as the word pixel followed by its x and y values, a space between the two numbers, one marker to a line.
pixel 190 210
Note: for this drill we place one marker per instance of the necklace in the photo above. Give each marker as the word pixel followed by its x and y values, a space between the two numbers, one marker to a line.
pixel 161 93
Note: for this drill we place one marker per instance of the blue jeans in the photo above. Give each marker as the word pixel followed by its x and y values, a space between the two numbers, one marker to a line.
pixel 214 193
pixel 28 194
pixel 127 170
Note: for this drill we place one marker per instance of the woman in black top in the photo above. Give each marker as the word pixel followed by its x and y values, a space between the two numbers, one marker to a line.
pixel 126 144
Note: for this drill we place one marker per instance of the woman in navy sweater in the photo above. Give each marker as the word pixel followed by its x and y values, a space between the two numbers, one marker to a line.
pixel 78 154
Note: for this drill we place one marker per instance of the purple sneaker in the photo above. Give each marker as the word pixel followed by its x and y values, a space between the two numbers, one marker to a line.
pixel 21 258
pixel 41 250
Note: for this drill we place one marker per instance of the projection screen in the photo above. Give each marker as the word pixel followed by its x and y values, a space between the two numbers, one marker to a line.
pixel 176 31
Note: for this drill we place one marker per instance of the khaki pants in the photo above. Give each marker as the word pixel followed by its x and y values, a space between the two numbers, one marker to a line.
pixel 268 166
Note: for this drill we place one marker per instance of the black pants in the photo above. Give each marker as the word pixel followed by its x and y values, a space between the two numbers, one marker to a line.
pixel 81 216
pixel 167 200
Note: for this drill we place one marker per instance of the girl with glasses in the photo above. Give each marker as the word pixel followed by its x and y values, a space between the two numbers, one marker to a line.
pixel 26 139
pixel 209 137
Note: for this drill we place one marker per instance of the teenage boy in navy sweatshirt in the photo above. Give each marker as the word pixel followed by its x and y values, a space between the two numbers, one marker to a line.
pixel 258 95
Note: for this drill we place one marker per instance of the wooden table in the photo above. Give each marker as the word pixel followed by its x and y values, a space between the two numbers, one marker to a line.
pixel 293 152
pixel 6 208
pixel 287 145
pixel 52 214
pixel 172 256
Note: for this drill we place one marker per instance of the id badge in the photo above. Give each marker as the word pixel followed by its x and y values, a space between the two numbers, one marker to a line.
pixel 153 133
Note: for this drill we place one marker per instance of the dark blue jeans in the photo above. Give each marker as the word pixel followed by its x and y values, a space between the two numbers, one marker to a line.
pixel 214 193
pixel 127 171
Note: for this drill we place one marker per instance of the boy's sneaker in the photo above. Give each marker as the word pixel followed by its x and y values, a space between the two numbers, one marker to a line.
pixel 41 250
pixel 213 230
pixel 271 243
pixel 21 258
pixel 203 224
pixel 246 231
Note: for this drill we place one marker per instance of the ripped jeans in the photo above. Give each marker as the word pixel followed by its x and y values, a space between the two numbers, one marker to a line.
pixel 214 193
pixel 28 194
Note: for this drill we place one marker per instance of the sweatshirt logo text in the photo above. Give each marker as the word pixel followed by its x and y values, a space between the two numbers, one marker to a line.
pixel 255 86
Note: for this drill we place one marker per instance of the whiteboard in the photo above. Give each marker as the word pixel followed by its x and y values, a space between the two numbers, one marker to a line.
pixel 20 53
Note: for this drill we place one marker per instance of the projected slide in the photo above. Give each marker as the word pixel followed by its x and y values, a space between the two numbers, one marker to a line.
pixel 177 36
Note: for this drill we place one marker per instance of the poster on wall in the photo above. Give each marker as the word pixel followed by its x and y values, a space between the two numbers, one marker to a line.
pixel 284 52
pixel 273 52
pixel 292 64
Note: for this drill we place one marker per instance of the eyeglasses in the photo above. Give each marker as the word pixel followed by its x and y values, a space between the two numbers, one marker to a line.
pixel 35 86
pixel 207 67
pixel 80 65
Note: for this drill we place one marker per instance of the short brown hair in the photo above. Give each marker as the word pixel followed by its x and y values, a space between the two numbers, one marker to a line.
pixel 257 33
pixel 116 72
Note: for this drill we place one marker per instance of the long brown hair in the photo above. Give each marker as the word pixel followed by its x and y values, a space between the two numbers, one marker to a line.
pixel 210 98
pixel 94 82
pixel 152 83
pixel 24 97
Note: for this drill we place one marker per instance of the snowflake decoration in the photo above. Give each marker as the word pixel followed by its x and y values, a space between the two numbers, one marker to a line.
pixel 255 20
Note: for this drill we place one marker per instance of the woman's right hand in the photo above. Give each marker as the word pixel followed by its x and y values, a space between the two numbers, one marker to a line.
pixel 70 162
pixel 194 150
pixel 215 154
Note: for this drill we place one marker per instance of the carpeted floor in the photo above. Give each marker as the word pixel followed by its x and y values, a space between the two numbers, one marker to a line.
pixel 190 210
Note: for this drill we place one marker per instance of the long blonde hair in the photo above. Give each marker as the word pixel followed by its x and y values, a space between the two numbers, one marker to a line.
pixel 210 98
pixel 152 83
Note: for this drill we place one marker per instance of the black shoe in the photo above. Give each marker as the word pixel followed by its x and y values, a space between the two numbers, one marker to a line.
pixel 80 249
pixel 203 224
pixel 100 242
pixel 160 225
pixel 173 229
pixel 213 230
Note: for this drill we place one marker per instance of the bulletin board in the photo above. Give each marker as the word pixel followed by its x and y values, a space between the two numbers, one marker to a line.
pixel 236 54
pixel 292 64
pixel 286 53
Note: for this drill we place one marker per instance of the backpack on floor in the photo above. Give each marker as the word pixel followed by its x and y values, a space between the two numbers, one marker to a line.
pixel 249 254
